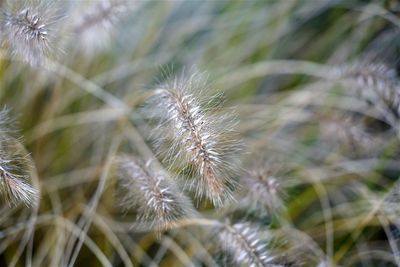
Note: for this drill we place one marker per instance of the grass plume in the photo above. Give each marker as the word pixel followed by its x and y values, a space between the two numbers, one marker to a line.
pixel 94 22
pixel 158 202
pixel 262 192
pixel 243 242
pixel 14 166
pixel 195 138
pixel 29 29
pixel 375 82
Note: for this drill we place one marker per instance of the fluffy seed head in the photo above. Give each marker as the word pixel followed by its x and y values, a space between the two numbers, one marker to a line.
pixel 156 199
pixel 374 82
pixel 94 22
pixel 194 139
pixel 15 187
pixel 262 192
pixel 14 167
pixel 29 28
pixel 349 135
pixel 243 242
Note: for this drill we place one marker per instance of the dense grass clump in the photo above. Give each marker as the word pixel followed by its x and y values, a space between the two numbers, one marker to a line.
pixel 199 133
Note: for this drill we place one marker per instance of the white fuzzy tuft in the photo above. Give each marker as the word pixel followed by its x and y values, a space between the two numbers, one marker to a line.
pixel 194 139
pixel 244 243
pixel 158 202
pixel 14 167
pixel 29 29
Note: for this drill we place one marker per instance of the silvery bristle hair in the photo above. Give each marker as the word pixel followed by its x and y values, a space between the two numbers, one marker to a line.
pixel 194 139
pixel 14 167
pixel 350 135
pixel 243 242
pixel 30 28
pixel 94 22
pixel 262 192
pixel 158 202
pixel 374 82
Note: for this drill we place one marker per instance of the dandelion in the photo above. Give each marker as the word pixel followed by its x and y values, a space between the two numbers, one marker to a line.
pixel 157 200
pixel 195 139
pixel 29 30
pixel 244 243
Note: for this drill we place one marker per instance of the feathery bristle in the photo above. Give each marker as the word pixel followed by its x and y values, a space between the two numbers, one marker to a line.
pixel 16 189
pixel 94 22
pixel 157 200
pixel 14 167
pixel 29 30
pixel 243 242
pixel 349 135
pixel 374 82
pixel 191 136
pixel 263 192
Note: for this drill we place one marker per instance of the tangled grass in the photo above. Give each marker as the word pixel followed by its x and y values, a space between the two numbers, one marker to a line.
pixel 199 133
